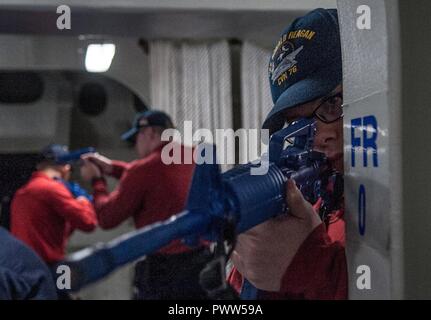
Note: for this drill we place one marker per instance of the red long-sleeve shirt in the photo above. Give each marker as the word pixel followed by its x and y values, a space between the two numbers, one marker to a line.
pixel 44 213
pixel 148 190
pixel 319 269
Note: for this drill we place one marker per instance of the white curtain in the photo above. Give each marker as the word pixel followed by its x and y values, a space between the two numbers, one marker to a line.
pixel 255 91
pixel 192 82
pixel 256 94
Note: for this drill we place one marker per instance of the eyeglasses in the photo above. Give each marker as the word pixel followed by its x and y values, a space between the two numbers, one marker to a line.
pixel 331 109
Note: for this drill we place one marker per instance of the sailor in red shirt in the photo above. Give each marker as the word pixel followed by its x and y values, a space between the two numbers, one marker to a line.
pixel 301 255
pixel 45 212
pixel 150 191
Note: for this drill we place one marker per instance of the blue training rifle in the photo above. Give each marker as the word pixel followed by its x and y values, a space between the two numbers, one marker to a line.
pixel 236 198
pixel 74 155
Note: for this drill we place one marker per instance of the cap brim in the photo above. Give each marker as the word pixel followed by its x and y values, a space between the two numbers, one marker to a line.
pixel 309 89
pixel 129 135
pixel 64 162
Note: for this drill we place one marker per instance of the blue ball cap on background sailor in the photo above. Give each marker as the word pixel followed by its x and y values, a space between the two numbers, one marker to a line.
pixel 149 118
pixel 55 153
pixel 305 64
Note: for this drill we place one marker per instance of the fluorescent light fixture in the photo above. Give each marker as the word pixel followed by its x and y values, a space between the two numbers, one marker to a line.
pixel 99 57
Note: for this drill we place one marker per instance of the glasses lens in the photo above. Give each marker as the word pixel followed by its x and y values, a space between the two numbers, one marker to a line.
pixel 331 109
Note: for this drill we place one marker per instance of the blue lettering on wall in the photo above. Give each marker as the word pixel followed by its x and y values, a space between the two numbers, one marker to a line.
pixel 366 141
pixel 356 142
pixel 362 210
pixel 370 125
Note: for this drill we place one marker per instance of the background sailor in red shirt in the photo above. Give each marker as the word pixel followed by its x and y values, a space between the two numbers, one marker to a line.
pixel 45 211
pixel 301 256
pixel 150 191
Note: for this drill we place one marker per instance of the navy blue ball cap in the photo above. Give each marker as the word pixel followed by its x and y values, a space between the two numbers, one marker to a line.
pixel 54 153
pixel 305 65
pixel 149 118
